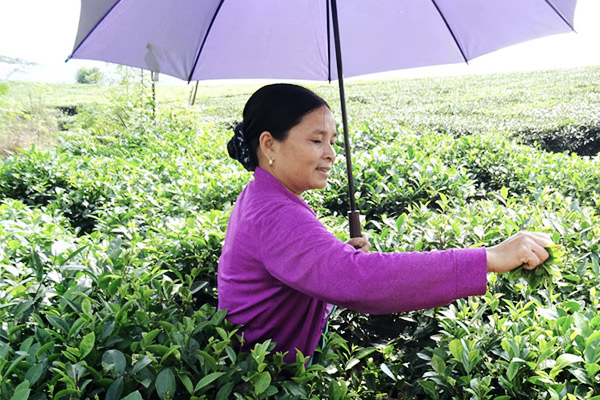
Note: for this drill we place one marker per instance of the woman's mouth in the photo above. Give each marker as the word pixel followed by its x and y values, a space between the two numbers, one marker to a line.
pixel 324 171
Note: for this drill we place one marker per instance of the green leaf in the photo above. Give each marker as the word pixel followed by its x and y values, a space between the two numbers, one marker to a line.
pixel 430 388
pixel 73 254
pixel 107 328
pixel 141 364
pixel 225 391
pixel 148 337
pixel 456 348
pixel 208 379
pixel 562 361
pixel 21 391
pixel 271 391
pixel 165 384
pixel 567 359
pixel 208 359
pixel 580 375
pixel 114 248
pixel 114 360
pixel 513 368
pixel 58 323
pixel 334 390
pixel 115 389
pixel 438 364
pixel 43 349
pixel 34 373
pixel 86 306
pixel 262 382
pixel 218 317
pixel 592 370
pixel 87 345
pixel 35 262
pixel 187 382
pixel 133 396
pixel 67 392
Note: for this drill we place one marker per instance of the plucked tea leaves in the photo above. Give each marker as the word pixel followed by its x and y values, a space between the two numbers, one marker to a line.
pixel 546 273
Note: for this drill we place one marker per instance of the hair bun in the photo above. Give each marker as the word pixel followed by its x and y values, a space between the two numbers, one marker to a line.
pixel 231 148
pixel 238 149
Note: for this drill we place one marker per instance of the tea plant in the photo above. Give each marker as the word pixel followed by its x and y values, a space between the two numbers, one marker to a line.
pixel 109 245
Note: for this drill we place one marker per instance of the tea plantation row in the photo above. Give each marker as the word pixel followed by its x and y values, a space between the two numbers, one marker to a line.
pixel 109 247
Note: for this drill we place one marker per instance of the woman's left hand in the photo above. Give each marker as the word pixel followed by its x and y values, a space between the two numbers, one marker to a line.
pixel 360 243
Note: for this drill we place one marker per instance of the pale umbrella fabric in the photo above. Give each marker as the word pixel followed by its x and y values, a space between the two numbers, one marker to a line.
pixel 293 39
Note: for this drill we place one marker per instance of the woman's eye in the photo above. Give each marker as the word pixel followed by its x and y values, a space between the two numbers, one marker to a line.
pixel 316 141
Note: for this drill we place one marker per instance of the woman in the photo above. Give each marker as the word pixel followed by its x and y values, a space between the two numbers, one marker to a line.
pixel 281 270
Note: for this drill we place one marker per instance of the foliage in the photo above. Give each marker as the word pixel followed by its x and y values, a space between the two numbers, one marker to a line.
pixel 109 245
pixel 25 124
pixel 547 273
pixel 88 75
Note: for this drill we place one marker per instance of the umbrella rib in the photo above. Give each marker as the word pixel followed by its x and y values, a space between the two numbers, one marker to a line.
pixel 451 31
pixel 92 30
pixel 212 21
pixel 560 15
pixel 328 45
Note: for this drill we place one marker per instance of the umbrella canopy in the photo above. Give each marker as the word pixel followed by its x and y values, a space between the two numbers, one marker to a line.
pixel 308 39
pixel 293 39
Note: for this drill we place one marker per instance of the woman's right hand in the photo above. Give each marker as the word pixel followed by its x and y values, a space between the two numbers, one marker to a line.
pixel 360 243
pixel 524 248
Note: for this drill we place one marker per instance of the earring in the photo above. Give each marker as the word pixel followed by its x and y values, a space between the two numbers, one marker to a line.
pixel 270 162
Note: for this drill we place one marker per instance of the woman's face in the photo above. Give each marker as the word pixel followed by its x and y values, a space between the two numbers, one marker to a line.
pixel 304 159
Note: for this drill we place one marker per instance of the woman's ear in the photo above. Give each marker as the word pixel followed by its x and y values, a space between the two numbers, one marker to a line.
pixel 266 143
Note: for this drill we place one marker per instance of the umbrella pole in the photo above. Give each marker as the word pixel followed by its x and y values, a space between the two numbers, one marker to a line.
pixel 353 214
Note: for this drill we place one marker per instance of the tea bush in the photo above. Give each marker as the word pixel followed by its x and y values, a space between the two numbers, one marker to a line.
pixel 109 246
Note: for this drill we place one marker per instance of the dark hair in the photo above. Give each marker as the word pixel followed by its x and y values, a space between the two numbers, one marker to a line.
pixel 274 108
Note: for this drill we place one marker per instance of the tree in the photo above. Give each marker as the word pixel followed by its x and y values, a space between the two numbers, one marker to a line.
pixel 88 75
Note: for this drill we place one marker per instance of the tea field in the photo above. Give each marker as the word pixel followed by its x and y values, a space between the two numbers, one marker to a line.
pixel 110 237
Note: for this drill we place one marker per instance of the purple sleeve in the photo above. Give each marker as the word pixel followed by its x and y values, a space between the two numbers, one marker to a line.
pixel 300 252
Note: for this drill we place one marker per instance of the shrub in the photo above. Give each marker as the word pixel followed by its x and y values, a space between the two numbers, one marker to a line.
pixel 88 75
pixel 109 245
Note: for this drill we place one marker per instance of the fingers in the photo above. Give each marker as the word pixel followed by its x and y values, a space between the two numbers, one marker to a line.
pixel 532 248
pixel 537 255
pixel 360 243
pixel 524 248
pixel 542 239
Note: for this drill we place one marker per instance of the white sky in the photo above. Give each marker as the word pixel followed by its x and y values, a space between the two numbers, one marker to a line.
pixel 43 31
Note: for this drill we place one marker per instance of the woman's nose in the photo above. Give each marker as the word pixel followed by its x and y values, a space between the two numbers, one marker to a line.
pixel 330 152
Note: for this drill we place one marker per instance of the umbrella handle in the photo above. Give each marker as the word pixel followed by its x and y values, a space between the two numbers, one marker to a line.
pixel 354 219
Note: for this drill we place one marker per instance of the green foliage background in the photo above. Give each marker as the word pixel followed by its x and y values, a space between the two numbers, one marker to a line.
pixel 109 245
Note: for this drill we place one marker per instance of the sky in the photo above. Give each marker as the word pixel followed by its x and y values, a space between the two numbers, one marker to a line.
pixel 43 31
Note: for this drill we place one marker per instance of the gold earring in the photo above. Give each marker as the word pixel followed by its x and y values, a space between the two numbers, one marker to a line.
pixel 270 162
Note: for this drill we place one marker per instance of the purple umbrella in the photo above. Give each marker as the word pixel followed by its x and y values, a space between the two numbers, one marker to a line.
pixel 305 39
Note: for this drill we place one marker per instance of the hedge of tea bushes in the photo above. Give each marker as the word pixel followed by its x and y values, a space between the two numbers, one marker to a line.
pixel 109 246
pixel 557 110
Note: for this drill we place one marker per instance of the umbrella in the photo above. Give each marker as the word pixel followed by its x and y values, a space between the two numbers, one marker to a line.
pixel 308 39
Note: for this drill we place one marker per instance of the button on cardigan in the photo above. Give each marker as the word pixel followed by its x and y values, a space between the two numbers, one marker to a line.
pixel 280 269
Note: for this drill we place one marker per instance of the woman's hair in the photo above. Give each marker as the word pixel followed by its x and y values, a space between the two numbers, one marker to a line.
pixel 274 108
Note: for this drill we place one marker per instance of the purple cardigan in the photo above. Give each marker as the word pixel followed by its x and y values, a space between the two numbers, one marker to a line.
pixel 280 268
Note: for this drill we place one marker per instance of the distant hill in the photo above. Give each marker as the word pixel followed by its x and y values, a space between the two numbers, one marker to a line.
pixel 19 61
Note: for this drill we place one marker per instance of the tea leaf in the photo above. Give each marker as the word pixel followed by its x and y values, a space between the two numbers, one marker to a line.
pixel 262 382
pixel 545 274
pixel 165 384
